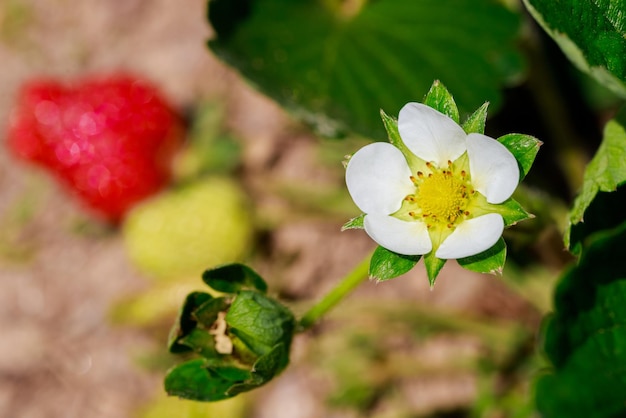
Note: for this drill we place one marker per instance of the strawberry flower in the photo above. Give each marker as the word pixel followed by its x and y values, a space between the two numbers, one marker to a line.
pixel 438 190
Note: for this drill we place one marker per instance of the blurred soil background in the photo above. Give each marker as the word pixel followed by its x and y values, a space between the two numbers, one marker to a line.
pixel 62 273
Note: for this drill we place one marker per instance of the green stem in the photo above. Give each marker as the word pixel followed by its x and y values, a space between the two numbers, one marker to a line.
pixel 347 284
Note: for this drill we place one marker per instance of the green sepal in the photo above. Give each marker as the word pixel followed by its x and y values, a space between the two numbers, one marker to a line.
pixel 259 328
pixel 260 322
pixel 524 148
pixel 391 126
pixel 195 380
pixel 201 342
pixel 206 314
pixel 433 267
pixel 232 278
pixel 385 264
pixel 186 323
pixel 354 223
pixel 475 123
pixel 440 99
pixel 264 370
pixel 512 212
pixel 490 261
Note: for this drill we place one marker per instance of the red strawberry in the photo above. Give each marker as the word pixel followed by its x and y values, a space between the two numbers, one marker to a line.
pixel 110 139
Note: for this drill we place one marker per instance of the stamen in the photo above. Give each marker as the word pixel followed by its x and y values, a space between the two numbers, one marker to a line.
pixel 420 174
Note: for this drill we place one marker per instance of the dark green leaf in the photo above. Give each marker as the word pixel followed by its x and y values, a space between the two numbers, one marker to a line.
pixel 386 264
pixel 185 322
pixel 440 99
pixel 591 33
pixel 605 173
pixel 336 69
pixel 490 261
pixel 475 123
pixel 260 322
pixel 232 278
pixel 585 338
pixel 524 148
pixel 606 211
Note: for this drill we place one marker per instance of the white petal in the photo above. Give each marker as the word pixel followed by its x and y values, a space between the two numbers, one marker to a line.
pixel 378 178
pixel 407 238
pixel 430 135
pixel 472 237
pixel 494 169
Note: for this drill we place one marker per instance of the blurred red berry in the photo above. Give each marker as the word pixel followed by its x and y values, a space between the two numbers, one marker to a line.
pixel 110 139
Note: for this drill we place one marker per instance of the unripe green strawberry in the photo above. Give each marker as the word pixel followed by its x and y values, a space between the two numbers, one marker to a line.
pixel 184 232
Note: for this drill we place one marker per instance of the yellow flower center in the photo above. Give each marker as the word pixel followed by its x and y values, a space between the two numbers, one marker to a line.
pixel 442 196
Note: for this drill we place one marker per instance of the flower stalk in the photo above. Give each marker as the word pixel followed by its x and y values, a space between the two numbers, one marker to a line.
pixel 332 298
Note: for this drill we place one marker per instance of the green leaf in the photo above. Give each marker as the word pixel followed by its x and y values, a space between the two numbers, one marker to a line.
pixel 386 264
pixel 440 99
pixel 475 123
pixel 354 223
pixel 585 338
pixel 194 380
pixel 232 278
pixel 433 267
pixel 186 322
pixel 335 68
pixel 605 173
pixel 591 33
pixel 524 148
pixel 260 322
pixel 490 261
